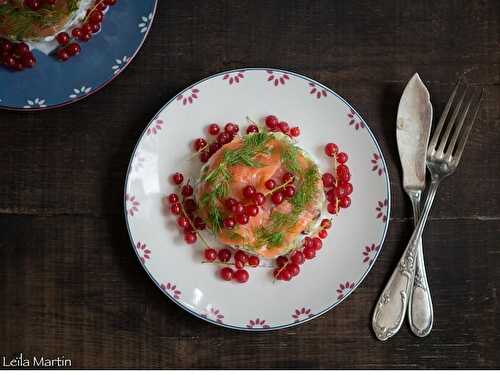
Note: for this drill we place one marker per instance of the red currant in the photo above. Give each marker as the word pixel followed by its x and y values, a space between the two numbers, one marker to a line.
pixel 95 27
pixel 241 256
pixel 230 202
pixel 239 265
pixel 285 275
pixel 241 276
pixel 228 223
pixel 332 208
pixel 224 138
pixel 288 177
pixel 199 223
pixel 259 199
pixel 322 233
pixel 76 32
pixel 187 190
pixel 295 131
pixel 110 2
pixel 173 198
pixel 253 261
pixel 318 244
pixel 190 238
pixel 277 197
pixel 9 62
pixel 331 196
pixel 328 180
pixel 86 28
pixel 342 158
pixel 210 254
pixel 230 128
pixel 270 184
pixel 177 178
pixel 183 222
pixel 271 122
pixel 199 143
pixel 340 191
pixel 33 4
pixel 284 127
pixel 28 60
pixel 101 6
pixel 331 149
pixel 21 49
pixel 85 37
pixel 62 38
pixel 214 147
pixel 190 205
pixel 242 219
pixel 344 202
pixel 346 186
pixel 252 210
pixel 252 129
pixel 73 49
pixel 281 261
pixel 238 208
pixel 249 191
pixel 326 223
pixel 297 258
pixel 293 269
pixel 213 129
pixel 96 16
pixel 62 54
pixel 204 156
pixel 5 45
pixel 289 191
pixel 343 173
pixel 175 208
pixel 226 273
pixel 224 255
pixel 309 253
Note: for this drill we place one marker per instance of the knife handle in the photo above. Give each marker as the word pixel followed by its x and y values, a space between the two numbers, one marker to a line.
pixel 420 311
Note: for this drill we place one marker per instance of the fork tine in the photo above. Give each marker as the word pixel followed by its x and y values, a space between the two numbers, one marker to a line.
pixel 451 123
pixel 439 127
pixel 461 144
pixel 456 133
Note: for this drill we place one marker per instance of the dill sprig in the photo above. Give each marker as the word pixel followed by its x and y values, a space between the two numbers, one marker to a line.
pixel 266 236
pixel 289 155
pixel 219 177
pixel 20 21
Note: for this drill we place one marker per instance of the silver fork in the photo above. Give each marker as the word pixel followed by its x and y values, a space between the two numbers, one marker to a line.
pixel 443 155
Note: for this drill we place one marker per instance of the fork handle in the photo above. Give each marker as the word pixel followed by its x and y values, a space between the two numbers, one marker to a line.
pixel 391 306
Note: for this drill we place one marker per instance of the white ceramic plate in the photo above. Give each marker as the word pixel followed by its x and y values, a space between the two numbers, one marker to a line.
pixel 349 251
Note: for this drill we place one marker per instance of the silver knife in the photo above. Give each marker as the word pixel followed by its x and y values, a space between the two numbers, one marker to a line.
pixel 413 129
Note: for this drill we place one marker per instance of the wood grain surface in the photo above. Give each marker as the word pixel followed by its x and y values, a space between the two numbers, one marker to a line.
pixel 70 284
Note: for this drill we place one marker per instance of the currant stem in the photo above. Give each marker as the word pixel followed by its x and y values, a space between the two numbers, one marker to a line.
pixel 192 225
pixel 277 188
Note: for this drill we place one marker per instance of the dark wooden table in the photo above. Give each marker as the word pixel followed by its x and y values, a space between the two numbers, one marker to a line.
pixel 70 285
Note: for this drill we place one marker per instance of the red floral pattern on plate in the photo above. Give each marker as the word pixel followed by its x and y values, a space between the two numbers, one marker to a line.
pixel 302 313
pixel 369 253
pixel 381 210
pixel 234 77
pixel 354 120
pixel 132 204
pixel 214 314
pixel 377 165
pixel 155 128
pixel 277 78
pixel 344 288
pixel 318 92
pixel 143 251
pixel 171 289
pixel 188 97
pixel 257 323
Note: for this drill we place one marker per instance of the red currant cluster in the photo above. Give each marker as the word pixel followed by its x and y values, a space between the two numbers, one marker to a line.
pixel 338 188
pixel 188 222
pixel 241 259
pixel 274 125
pixel 206 150
pixel 68 45
pixel 289 266
pixel 238 213
pixel 16 56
